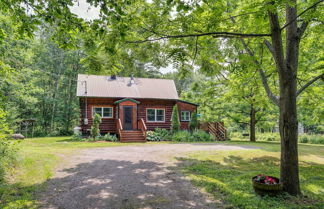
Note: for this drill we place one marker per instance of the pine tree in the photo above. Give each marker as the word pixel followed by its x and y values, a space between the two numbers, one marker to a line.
pixel 95 131
pixel 193 124
pixel 175 125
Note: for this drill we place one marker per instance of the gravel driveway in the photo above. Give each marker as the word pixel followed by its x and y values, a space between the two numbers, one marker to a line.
pixel 134 176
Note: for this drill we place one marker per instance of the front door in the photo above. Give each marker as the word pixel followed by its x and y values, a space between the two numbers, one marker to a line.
pixel 128 117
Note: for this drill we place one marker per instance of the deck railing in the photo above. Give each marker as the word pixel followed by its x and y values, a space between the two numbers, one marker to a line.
pixel 215 128
pixel 119 128
pixel 142 126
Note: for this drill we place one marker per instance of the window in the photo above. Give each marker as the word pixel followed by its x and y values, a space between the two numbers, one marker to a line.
pixel 155 115
pixel 185 116
pixel 104 112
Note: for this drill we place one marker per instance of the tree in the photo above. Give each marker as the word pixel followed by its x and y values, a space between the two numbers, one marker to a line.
pixel 175 123
pixel 193 124
pixel 193 23
pixel 95 131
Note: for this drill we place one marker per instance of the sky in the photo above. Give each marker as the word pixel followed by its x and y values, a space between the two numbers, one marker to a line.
pixel 85 11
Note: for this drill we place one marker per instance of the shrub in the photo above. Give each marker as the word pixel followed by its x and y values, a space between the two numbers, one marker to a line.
pixel 110 137
pixel 193 124
pixel 164 134
pixel 175 123
pixel 181 136
pixel 8 156
pixel 77 137
pixel 8 149
pixel 152 136
pixel 200 135
pixel 95 131
pixel 303 139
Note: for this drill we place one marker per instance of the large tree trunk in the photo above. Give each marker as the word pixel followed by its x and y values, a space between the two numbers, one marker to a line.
pixel 252 123
pixel 287 70
pixel 288 124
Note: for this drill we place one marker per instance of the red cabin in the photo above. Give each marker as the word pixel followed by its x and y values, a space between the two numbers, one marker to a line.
pixel 130 106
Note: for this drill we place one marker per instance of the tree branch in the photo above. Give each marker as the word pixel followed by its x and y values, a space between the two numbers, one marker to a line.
pixel 216 34
pixel 303 12
pixel 302 29
pixel 269 46
pixel 309 83
pixel 263 76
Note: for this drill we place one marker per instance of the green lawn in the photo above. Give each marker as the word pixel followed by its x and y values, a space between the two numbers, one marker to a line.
pixel 38 157
pixel 227 175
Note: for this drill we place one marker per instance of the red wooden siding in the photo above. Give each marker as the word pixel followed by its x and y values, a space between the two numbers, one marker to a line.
pixel 183 106
pixel 161 104
pixel 109 124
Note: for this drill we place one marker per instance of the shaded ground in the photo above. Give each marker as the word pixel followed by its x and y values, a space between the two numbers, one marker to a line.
pixel 127 177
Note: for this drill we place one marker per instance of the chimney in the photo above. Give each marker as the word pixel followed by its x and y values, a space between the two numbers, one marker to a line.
pixel 132 81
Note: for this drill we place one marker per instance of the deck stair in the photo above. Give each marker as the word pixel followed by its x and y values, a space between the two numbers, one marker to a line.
pixel 132 136
pixel 217 129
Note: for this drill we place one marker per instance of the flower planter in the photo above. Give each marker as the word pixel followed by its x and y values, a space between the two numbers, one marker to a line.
pixel 267 189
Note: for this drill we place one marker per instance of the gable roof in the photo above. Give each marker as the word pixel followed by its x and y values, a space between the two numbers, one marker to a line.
pixel 121 87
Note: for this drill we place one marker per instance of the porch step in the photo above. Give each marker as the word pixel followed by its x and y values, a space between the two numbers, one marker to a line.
pixel 132 136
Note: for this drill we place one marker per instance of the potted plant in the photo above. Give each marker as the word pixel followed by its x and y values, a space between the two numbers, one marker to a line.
pixel 266 185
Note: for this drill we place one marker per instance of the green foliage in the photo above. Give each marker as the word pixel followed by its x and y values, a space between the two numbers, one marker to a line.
pixel 227 175
pixel 311 139
pixel 175 123
pixel 95 131
pixel 159 134
pixel 181 136
pixel 164 134
pixel 195 136
pixel 8 157
pixel 78 137
pixel 200 135
pixel 303 139
pixel 153 136
pixel 193 124
pixel 8 148
pixel 110 137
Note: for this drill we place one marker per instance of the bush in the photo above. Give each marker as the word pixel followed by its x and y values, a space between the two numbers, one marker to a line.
pixel 164 134
pixel 175 123
pixel 158 134
pixel 312 139
pixel 109 137
pixel 303 139
pixel 95 131
pixel 8 149
pixel 77 137
pixel 181 136
pixel 152 136
pixel 8 156
pixel 193 124
pixel 200 135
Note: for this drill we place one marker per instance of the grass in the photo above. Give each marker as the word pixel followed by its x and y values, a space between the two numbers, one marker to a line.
pixel 38 157
pixel 227 175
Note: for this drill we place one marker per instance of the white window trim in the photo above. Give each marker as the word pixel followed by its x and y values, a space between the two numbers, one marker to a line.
pixel 189 116
pixel 112 111
pixel 155 121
